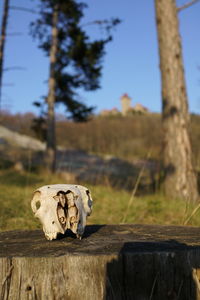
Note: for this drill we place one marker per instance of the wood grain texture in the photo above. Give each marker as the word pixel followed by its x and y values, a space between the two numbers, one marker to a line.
pixel 111 262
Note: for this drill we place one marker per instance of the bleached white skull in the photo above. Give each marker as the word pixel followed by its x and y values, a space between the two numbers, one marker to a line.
pixel 62 206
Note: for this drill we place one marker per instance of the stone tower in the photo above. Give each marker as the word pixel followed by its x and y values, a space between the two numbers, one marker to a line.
pixel 126 104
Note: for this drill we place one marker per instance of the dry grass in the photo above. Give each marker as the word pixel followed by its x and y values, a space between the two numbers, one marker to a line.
pixel 127 138
pixel 109 204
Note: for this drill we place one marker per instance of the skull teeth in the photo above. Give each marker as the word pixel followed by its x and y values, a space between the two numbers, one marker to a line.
pixel 51 235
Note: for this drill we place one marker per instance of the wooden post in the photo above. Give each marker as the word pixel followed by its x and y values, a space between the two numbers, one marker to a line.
pixel 111 262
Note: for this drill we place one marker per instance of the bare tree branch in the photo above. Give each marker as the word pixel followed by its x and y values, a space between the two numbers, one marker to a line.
pixel 96 22
pixel 2 41
pixel 14 68
pixel 32 11
pixel 8 84
pixel 187 5
pixel 14 34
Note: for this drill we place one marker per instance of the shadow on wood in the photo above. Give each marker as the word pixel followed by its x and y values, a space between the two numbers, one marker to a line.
pixel 152 270
pixel 111 262
pixel 88 232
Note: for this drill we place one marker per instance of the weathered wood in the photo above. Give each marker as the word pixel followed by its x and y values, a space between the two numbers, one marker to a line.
pixel 111 262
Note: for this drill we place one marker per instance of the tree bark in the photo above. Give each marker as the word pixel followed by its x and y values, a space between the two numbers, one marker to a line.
pixel 2 41
pixel 180 178
pixel 110 262
pixel 186 5
pixel 51 137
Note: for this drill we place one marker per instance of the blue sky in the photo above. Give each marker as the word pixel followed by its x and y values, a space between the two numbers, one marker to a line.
pixel 131 64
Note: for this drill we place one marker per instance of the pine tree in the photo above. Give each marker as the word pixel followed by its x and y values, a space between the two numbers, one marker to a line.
pixel 75 61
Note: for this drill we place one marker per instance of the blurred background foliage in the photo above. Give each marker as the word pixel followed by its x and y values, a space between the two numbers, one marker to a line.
pixel 127 139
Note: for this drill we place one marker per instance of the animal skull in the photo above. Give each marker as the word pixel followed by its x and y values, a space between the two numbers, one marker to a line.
pixel 62 206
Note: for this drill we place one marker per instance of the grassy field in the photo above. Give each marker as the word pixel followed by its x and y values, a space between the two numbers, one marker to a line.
pixel 111 206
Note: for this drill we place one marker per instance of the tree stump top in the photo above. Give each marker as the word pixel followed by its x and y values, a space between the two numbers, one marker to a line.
pixel 101 240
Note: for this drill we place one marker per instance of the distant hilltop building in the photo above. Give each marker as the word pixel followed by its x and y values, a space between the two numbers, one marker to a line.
pixel 110 112
pixel 140 108
pixel 126 108
pixel 125 104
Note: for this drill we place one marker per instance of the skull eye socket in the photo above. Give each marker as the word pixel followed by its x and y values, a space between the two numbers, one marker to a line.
pixel 37 204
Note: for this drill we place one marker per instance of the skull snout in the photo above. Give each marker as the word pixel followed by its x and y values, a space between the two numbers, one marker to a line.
pixel 60 207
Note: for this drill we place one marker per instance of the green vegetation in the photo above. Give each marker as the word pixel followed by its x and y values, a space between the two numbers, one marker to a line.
pixel 110 204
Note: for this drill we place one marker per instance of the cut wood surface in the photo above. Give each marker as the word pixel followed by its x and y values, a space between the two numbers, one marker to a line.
pixel 110 262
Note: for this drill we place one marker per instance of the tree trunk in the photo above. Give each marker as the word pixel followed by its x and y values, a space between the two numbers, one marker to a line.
pixel 51 138
pixel 140 262
pixel 180 178
pixel 2 41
